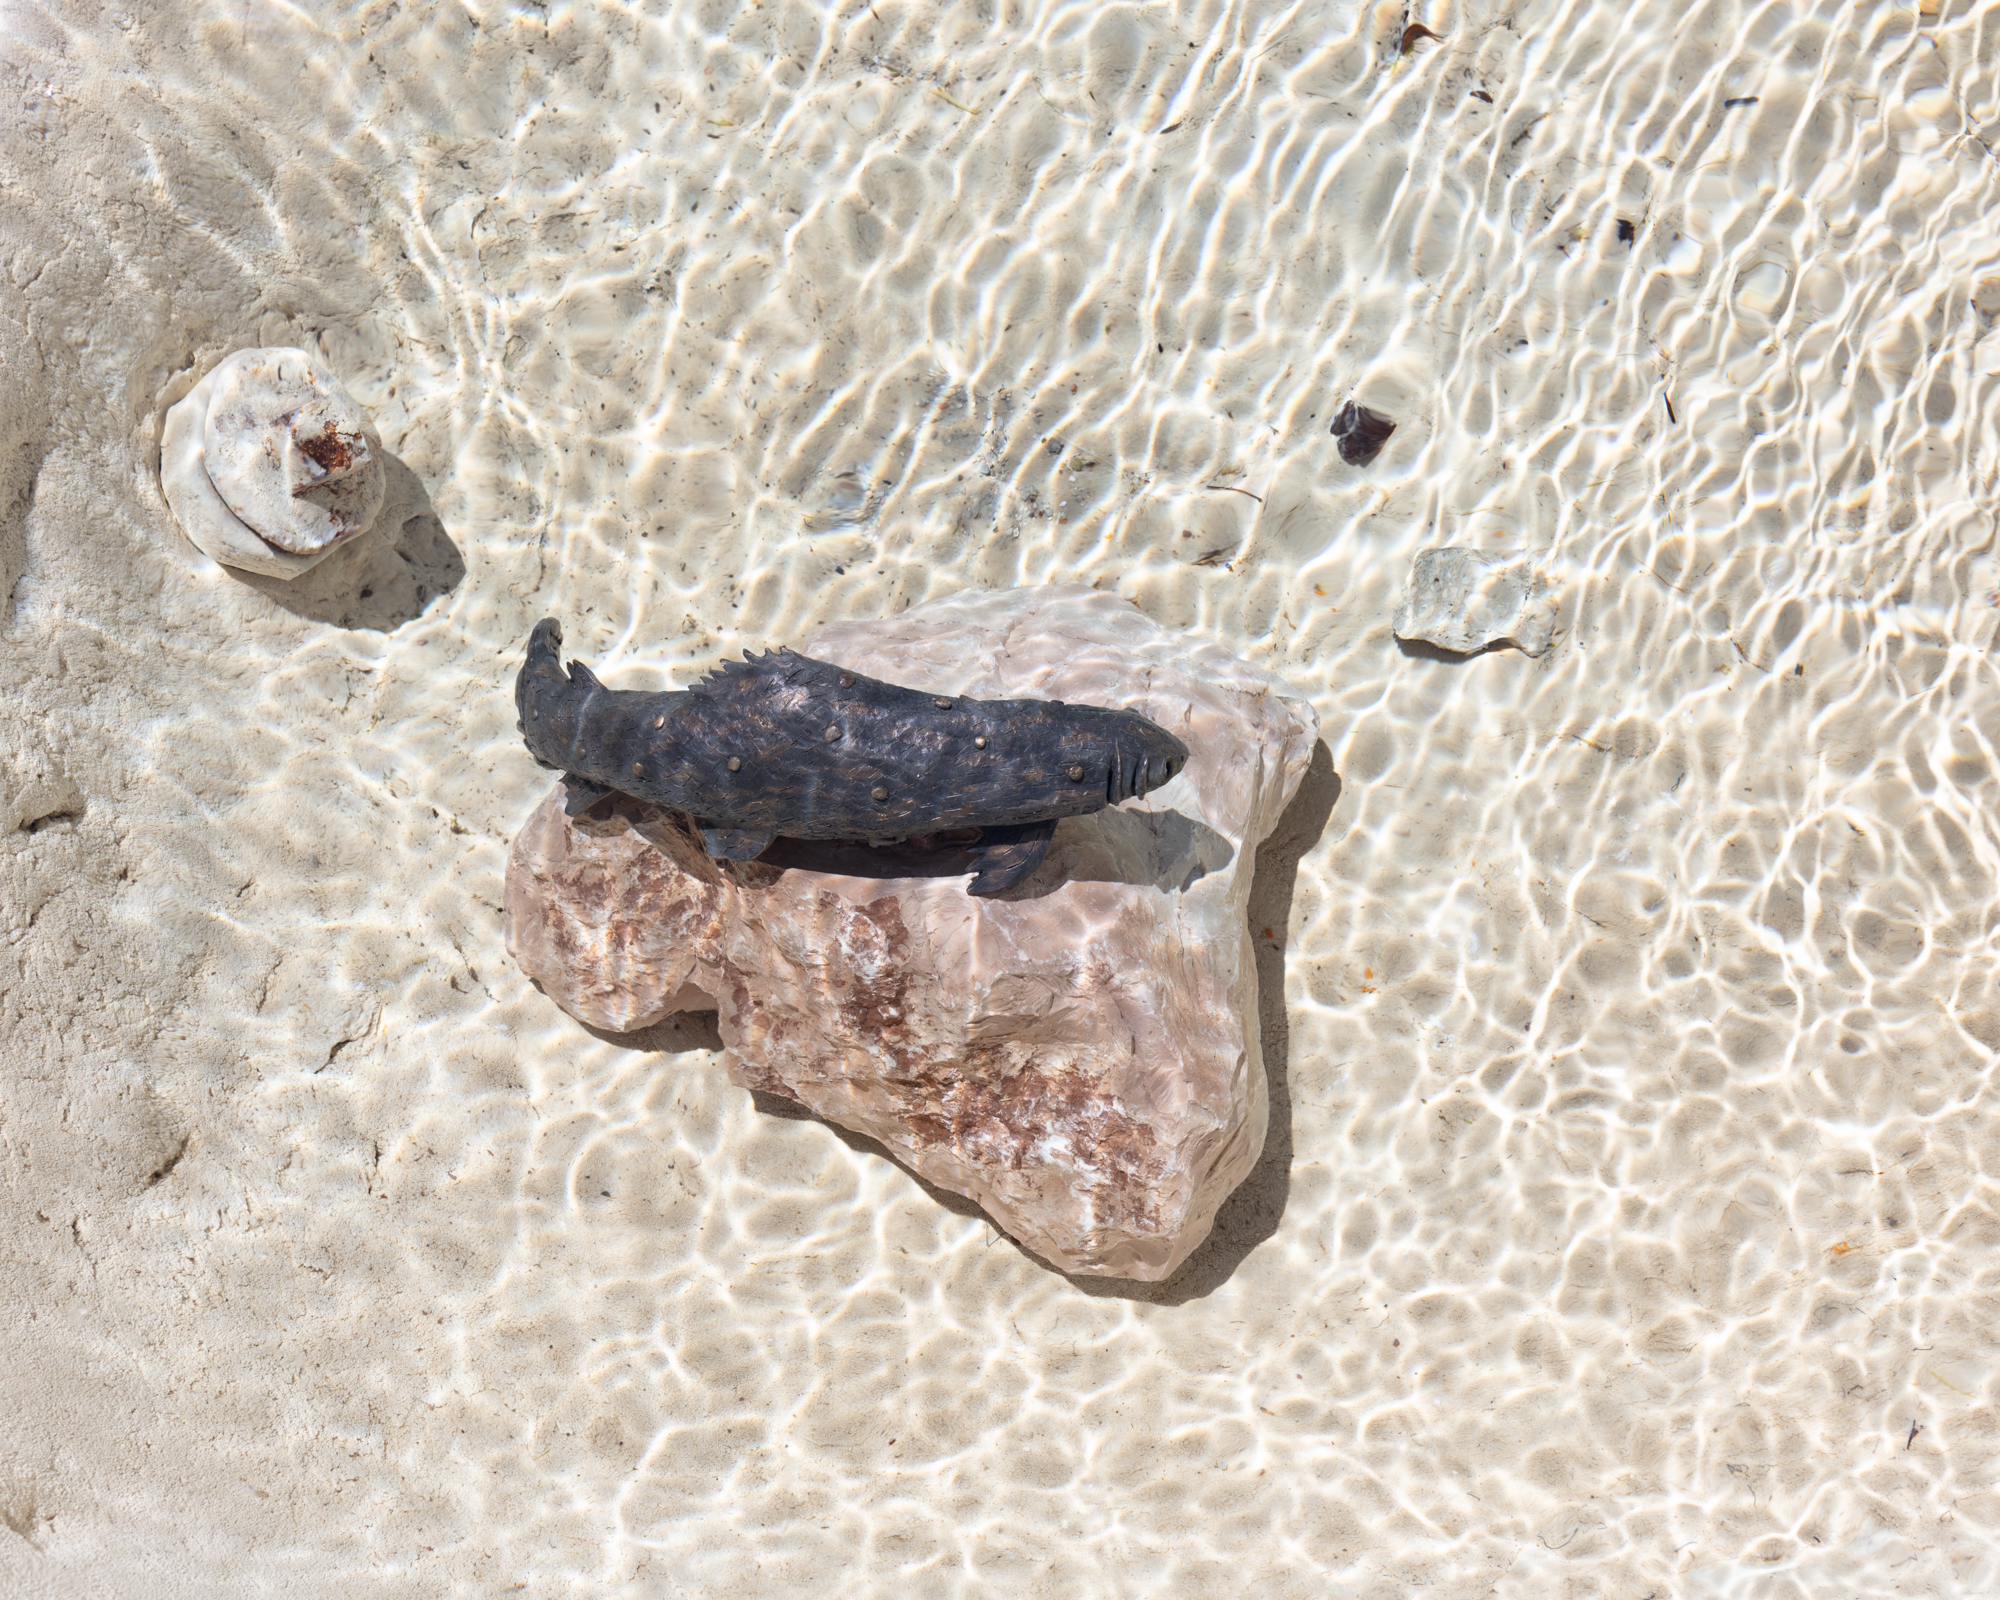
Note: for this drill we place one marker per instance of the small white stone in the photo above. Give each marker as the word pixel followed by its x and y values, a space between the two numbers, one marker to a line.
pixel 1463 600
pixel 1760 289
pixel 269 465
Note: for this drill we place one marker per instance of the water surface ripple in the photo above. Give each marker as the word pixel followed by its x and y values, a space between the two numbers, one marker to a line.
pixel 1635 1006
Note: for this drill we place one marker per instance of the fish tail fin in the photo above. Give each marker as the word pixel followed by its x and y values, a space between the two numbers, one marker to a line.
pixel 550 701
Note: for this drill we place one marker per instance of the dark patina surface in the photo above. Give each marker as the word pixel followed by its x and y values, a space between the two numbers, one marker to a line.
pixel 782 746
pixel 1359 433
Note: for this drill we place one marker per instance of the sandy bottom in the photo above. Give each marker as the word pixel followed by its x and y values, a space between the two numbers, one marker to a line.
pixel 1630 1013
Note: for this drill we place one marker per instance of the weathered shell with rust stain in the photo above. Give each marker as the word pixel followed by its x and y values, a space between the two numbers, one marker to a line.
pixel 269 464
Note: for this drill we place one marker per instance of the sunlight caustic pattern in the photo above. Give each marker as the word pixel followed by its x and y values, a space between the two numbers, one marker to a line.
pixel 1633 1012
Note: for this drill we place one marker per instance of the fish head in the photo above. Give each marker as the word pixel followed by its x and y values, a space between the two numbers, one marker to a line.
pixel 1118 753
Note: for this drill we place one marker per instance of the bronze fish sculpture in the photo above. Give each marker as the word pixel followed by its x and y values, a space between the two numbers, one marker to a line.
pixel 783 745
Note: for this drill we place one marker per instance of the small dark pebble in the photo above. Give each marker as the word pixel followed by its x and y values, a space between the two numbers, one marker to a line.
pixel 1054 447
pixel 1740 100
pixel 1481 94
pixel 1361 433
pixel 1626 232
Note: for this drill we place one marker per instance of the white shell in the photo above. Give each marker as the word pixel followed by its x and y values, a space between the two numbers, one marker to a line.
pixel 269 464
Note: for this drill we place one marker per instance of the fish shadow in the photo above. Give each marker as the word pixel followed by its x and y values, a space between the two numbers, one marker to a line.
pixel 1162 850
pixel 385 578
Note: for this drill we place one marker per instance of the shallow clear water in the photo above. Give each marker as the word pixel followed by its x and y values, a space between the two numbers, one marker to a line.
pixel 1634 1146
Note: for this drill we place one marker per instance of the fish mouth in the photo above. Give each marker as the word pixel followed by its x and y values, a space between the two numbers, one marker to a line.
pixel 1133 778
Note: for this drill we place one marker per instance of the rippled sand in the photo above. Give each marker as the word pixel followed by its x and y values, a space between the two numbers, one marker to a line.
pixel 1630 1012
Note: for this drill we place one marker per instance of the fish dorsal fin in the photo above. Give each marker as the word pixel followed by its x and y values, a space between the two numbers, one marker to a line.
pixel 728 677
pixel 731 679
pixel 583 677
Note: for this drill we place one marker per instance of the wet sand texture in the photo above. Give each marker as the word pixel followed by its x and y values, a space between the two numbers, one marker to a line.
pixel 1629 1013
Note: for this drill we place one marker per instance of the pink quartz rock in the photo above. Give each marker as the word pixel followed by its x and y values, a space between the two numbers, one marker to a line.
pixel 1080 1056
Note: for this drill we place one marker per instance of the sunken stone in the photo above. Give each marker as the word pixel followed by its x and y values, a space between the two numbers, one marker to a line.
pixel 1359 433
pixel 1464 600
pixel 1079 1056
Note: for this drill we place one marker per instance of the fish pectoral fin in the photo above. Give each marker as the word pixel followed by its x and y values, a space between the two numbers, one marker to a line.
pixel 580 794
pixel 736 844
pixel 1006 856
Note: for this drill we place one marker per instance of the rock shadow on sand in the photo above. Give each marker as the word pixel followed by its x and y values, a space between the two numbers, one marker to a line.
pixel 381 579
